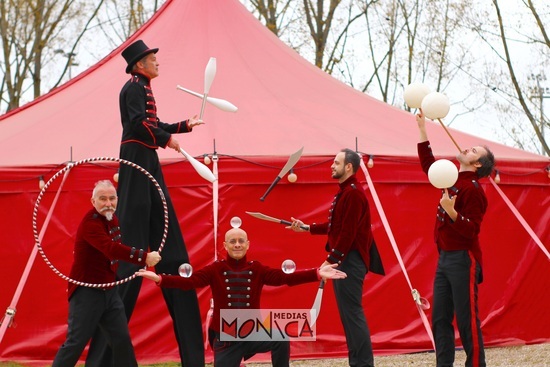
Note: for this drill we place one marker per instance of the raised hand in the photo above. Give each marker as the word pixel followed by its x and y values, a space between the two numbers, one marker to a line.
pixel 194 121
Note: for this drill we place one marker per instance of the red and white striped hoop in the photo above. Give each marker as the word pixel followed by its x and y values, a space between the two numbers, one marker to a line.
pixel 62 171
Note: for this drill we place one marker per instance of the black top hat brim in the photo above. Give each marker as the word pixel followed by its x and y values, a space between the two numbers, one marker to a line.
pixel 139 57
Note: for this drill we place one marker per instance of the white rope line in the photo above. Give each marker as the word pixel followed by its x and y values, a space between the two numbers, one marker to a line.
pixel 420 303
pixel 520 218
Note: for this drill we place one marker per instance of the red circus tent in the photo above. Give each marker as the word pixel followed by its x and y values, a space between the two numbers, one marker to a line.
pixel 285 103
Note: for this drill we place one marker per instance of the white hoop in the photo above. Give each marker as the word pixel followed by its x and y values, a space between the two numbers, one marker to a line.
pixel 68 167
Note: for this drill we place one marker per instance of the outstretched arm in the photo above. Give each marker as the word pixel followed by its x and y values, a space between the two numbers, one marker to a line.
pixel 194 121
pixel 147 274
pixel 298 226
pixel 330 272
pixel 191 123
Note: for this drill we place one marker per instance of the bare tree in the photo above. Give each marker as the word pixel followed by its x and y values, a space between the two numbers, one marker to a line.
pixel 34 33
pixel 70 55
pixel 27 26
pixel 272 13
pixel 383 31
pixel 320 24
pixel 530 96
pixel 313 28
pixel 410 41
pixel 539 22
pixel 339 49
pixel 119 20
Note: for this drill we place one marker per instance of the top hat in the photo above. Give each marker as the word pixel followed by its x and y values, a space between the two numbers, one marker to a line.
pixel 135 52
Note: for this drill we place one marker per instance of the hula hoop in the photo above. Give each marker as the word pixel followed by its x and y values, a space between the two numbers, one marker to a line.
pixel 68 167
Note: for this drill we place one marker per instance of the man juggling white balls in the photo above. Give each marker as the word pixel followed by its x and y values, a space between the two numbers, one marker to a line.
pixel 459 269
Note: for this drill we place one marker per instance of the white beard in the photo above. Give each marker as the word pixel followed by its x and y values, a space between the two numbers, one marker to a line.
pixel 109 215
pixel 108 212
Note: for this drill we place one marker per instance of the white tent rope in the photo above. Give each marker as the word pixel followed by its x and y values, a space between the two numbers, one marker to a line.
pixel 215 208
pixel 10 312
pixel 520 218
pixel 215 193
pixel 389 232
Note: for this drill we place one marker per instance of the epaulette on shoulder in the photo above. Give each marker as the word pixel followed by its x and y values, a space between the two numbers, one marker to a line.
pixel 475 183
pixel 353 186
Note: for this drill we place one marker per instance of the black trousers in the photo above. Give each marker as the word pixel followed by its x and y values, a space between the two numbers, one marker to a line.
pixel 230 354
pixel 141 215
pixel 92 309
pixel 349 296
pixel 455 292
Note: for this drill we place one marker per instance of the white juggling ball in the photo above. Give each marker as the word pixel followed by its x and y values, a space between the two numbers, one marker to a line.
pixel 414 94
pixel 435 105
pixel 443 174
